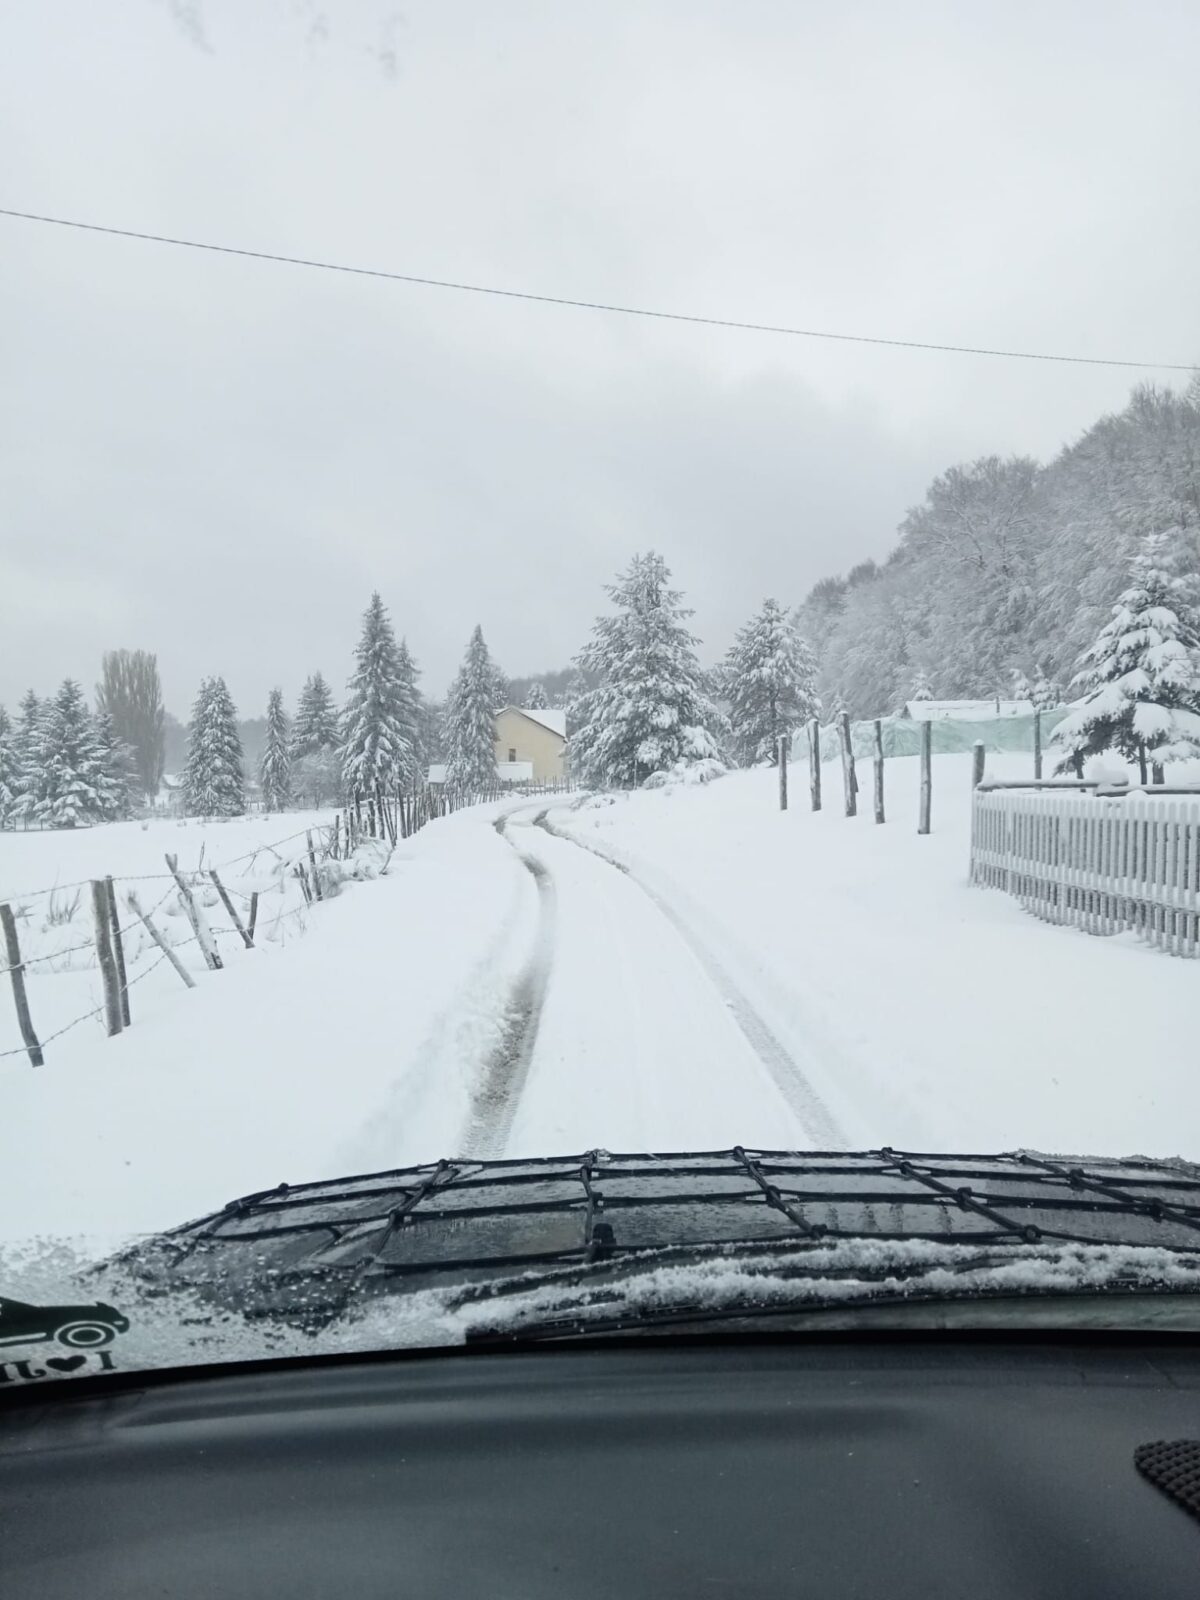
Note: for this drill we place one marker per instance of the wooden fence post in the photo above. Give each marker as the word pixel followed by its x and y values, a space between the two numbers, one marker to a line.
pixel 105 958
pixel 978 759
pixel 814 763
pixel 16 972
pixel 162 944
pixel 878 770
pixel 118 950
pixel 1037 745
pixel 926 776
pixel 195 916
pixel 228 904
pixel 782 749
pixel 253 918
pixel 849 778
pixel 312 861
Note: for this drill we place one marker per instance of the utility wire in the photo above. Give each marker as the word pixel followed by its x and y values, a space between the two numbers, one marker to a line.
pixel 592 305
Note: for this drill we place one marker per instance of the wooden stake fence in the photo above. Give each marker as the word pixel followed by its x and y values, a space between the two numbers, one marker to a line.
pixel 923 818
pixel 878 770
pixel 118 949
pixel 814 763
pixel 105 958
pixel 16 972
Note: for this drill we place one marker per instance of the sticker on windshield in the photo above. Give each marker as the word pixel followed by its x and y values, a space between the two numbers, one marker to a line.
pixel 86 1331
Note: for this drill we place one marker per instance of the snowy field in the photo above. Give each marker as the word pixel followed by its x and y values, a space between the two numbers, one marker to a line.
pixel 684 968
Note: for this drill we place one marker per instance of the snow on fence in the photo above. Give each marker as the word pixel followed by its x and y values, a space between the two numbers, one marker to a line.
pixel 1097 863
pixel 369 827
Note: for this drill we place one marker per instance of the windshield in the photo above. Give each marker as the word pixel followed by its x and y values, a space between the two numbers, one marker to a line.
pixel 600 675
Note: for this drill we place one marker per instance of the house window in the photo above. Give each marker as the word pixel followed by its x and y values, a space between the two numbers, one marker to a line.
pixel 512 755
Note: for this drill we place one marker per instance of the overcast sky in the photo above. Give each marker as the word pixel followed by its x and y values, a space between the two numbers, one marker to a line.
pixel 219 459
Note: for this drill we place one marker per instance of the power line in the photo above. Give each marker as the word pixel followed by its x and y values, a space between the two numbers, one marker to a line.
pixel 592 305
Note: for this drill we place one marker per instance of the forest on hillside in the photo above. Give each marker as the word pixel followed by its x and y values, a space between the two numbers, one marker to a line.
pixel 1009 568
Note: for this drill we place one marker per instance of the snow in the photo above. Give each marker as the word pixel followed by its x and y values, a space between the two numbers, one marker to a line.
pixel 555 720
pixel 712 972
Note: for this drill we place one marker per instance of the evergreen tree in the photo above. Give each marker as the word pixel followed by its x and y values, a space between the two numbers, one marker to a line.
pixel 72 763
pixel 649 710
pixel 411 720
pixel 29 758
pixel 1142 675
pixel 121 780
pixel 469 724
pixel 1018 685
pixel 535 698
pixel 769 677
pixel 214 782
pixel 920 688
pixel 316 723
pixel 275 769
pixel 8 768
pixel 1045 692
pixel 316 764
pixel 376 735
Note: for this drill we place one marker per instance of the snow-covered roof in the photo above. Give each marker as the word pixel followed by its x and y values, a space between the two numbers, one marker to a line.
pixel 549 717
pixel 966 710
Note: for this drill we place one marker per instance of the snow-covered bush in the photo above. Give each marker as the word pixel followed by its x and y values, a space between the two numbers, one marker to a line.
pixel 686 772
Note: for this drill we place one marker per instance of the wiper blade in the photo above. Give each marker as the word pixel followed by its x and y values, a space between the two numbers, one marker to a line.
pixel 312 1252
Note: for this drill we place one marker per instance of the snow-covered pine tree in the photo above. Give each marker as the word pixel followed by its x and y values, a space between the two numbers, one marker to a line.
pixel 30 758
pixel 275 768
pixel 72 765
pixel 214 781
pixel 1018 685
pixel 8 768
pixel 535 697
pixel 120 782
pixel 316 766
pixel 921 689
pixel 1142 675
pixel 769 677
pixel 650 710
pixel 316 722
pixel 1044 694
pixel 376 737
pixel 411 719
pixel 469 722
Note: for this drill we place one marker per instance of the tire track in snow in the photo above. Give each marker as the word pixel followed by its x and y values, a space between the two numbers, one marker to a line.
pixel 785 1071
pixel 498 1090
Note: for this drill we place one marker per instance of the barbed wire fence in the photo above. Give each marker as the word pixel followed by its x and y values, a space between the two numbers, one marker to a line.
pixel 366 832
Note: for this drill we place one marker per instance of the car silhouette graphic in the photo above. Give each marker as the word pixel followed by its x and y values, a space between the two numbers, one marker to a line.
pixel 78 1327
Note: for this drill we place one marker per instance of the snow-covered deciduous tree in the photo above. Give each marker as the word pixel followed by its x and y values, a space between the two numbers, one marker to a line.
pixel 649 710
pixel 120 784
pixel 377 727
pixel 130 692
pixel 275 769
pixel 469 723
pixel 535 697
pixel 214 780
pixel 1142 675
pixel 770 679
pixel 72 778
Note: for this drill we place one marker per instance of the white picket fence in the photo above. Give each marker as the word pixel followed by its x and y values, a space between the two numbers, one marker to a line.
pixel 1100 864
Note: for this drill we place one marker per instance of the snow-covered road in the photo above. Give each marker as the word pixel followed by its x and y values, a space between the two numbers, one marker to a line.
pixel 633 1034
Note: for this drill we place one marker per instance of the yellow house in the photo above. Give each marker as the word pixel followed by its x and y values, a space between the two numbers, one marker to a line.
pixel 531 744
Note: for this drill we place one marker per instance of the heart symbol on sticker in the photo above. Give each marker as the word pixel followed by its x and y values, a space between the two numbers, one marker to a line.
pixel 66 1363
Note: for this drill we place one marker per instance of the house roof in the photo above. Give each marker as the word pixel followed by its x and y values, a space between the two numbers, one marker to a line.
pixel 555 720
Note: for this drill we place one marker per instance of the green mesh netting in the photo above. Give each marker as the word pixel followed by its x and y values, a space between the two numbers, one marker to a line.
pixel 902 737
